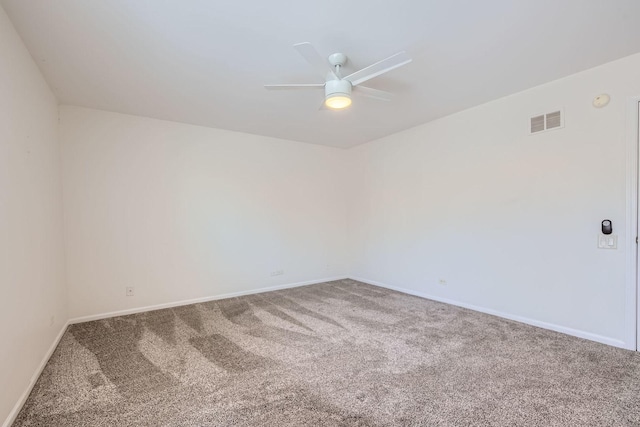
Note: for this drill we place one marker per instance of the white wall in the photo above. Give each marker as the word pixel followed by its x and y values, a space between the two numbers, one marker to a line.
pixel 182 212
pixel 509 220
pixel 31 249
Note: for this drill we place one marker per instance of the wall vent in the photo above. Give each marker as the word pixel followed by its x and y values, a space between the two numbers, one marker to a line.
pixel 544 122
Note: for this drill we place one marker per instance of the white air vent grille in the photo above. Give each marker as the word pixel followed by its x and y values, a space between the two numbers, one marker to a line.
pixel 544 122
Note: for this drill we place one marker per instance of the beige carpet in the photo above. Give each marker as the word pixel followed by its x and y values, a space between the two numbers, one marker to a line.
pixel 334 354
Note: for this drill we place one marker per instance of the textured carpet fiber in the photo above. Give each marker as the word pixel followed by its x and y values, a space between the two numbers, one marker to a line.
pixel 334 354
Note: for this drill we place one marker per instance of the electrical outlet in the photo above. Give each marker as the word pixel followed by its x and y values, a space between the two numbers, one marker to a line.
pixel 277 273
pixel 130 291
pixel 52 321
pixel 442 282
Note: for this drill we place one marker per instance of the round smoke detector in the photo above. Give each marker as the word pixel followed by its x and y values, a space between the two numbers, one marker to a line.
pixel 601 100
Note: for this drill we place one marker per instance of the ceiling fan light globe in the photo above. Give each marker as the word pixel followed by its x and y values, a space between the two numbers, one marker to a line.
pixel 337 94
pixel 338 102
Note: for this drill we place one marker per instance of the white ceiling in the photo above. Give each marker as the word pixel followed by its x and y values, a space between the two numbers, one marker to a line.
pixel 205 61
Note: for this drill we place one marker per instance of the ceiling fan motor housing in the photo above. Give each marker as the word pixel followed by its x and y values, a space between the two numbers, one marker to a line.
pixel 337 87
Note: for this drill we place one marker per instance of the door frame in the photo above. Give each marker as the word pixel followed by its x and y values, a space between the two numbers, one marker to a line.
pixel 632 294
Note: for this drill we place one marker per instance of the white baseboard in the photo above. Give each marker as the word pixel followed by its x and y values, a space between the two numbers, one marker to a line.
pixel 569 331
pixel 197 300
pixel 23 398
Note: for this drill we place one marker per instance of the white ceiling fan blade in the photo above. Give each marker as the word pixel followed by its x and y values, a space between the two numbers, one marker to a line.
pixel 294 86
pixel 381 67
pixel 312 56
pixel 372 93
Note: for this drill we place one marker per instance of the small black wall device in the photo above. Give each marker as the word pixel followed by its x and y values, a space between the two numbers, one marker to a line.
pixel 607 228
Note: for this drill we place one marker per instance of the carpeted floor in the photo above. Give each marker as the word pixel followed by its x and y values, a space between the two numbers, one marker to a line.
pixel 334 354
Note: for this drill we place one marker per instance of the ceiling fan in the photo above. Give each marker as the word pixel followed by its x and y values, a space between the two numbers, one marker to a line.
pixel 338 89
